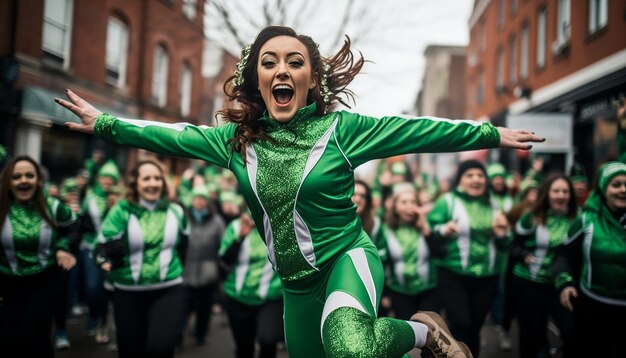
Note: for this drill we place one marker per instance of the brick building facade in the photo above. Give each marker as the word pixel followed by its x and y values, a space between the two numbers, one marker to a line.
pixel 135 59
pixel 550 58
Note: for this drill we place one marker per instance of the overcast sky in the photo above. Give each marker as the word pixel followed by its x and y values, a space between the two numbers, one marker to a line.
pixel 400 31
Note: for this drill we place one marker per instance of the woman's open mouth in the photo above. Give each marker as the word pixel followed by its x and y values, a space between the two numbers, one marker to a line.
pixel 282 94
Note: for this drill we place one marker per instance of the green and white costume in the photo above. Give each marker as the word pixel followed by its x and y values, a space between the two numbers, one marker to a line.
pixel 540 241
pixel 593 256
pixel 411 267
pixel 152 239
pixel 299 190
pixel 251 280
pixel 475 251
pixel 94 206
pixel 28 243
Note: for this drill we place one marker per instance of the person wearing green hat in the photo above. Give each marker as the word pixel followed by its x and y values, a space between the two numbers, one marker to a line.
pixel 578 175
pixel 230 205
pixel 94 209
pixel 590 267
pixel 201 274
pixel 500 196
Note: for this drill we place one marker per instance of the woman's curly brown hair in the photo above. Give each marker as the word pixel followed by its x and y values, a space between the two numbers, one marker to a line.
pixel 245 104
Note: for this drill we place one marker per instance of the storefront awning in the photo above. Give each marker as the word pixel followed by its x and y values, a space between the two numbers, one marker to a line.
pixel 38 105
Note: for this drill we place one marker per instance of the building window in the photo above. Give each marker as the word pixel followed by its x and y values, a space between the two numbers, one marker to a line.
pixel 483 36
pixel 500 70
pixel 57 21
pixel 185 90
pixel 541 38
pixel 189 8
pixel 523 65
pixel 513 7
pixel 159 76
pixel 563 24
pixel 500 13
pixel 117 52
pixel 513 59
pixel 598 15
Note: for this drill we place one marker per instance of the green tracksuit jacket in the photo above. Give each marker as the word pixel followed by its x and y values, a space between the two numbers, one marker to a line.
pixel 28 242
pixel 299 186
pixel 475 251
pixel 151 240
pixel 251 279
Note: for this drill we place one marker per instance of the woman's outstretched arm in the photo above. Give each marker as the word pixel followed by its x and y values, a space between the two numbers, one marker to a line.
pixel 177 139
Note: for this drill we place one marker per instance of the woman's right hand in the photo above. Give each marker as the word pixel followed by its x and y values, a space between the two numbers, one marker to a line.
pixel 451 228
pixel 83 109
pixel 566 297
pixel 246 226
pixel 106 266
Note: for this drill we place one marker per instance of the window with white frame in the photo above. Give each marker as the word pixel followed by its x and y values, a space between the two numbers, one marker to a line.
pixel 500 70
pixel 57 24
pixel 513 7
pixel 513 59
pixel 116 52
pixel 500 13
pixel 598 15
pixel 189 8
pixel 541 38
pixel 159 76
pixel 186 80
pixel 563 29
pixel 523 63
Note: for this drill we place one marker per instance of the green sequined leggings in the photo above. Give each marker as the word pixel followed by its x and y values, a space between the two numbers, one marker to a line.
pixel 333 313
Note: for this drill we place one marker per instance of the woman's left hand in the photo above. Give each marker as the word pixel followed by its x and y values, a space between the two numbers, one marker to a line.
pixel 500 225
pixel 517 138
pixel 65 260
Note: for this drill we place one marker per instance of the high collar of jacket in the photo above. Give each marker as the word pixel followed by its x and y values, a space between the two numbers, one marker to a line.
pixel 302 115
pixel 484 198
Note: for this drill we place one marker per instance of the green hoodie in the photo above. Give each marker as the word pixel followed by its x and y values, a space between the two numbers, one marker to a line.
pixel 593 255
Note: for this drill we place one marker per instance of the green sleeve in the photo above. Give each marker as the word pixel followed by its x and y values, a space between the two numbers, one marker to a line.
pixel 231 235
pixel 440 214
pixel 66 219
pixel 566 265
pixel 525 225
pixel 363 138
pixel 116 222
pixel 177 139
pixel 381 243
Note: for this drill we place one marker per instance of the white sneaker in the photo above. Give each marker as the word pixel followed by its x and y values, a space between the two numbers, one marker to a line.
pixel 61 342
pixel 504 341
pixel 102 336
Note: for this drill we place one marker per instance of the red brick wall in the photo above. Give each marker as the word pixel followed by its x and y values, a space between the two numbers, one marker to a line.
pixel 584 50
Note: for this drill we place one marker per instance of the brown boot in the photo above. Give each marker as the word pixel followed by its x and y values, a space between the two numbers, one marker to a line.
pixel 439 342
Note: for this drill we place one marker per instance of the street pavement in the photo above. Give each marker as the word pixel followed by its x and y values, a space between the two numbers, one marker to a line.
pixel 220 344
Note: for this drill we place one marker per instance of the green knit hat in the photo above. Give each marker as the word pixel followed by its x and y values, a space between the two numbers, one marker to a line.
pixel 496 170
pixel 398 168
pixel 608 171
pixel 202 191
pixel 109 169
pixel 578 174
pixel 231 197
pixel 69 185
